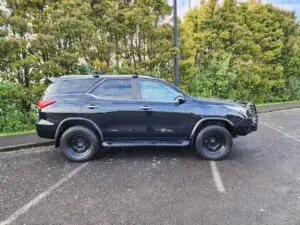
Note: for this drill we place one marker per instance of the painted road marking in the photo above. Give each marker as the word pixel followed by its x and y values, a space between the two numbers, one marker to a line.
pixel 280 131
pixel 217 176
pixel 41 196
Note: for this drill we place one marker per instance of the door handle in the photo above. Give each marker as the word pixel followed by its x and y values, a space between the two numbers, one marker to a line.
pixel 92 106
pixel 145 107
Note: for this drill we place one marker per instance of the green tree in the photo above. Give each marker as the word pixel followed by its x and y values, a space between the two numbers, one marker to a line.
pixel 260 40
pixel 46 38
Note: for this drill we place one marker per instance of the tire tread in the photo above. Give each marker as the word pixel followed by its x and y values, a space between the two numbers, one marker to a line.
pixel 223 130
pixel 94 139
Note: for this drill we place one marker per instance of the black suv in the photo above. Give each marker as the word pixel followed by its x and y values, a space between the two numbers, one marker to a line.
pixel 88 114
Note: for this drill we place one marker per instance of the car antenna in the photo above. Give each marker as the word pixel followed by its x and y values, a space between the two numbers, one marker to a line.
pixel 97 74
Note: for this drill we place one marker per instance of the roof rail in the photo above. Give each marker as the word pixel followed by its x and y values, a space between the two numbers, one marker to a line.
pixel 97 74
pixel 135 75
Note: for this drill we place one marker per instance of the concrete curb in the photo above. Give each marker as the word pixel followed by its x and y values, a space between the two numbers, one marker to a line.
pixel 272 108
pixel 260 109
pixel 26 145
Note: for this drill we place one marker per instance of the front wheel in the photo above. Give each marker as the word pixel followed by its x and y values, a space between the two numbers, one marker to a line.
pixel 79 143
pixel 213 142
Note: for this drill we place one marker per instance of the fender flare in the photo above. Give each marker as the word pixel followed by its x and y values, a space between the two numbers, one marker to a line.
pixel 76 119
pixel 192 136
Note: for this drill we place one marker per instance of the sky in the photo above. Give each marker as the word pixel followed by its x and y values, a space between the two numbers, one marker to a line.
pixel 183 5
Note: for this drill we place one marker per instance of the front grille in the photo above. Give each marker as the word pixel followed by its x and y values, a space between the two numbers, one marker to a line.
pixel 252 113
pixel 251 109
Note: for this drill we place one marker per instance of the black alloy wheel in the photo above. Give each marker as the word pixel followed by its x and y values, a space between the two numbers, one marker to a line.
pixel 79 143
pixel 213 142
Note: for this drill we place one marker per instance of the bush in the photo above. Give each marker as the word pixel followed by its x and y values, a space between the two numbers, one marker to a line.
pixel 15 119
pixel 16 111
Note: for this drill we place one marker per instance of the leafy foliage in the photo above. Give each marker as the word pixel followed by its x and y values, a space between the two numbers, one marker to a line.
pixel 13 116
pixel 246 51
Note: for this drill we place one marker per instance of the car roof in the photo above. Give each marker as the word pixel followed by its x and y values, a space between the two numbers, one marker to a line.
pixel 77 77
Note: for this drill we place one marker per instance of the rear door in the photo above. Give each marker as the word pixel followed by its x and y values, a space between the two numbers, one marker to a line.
pixel 112 105
pixel 167 118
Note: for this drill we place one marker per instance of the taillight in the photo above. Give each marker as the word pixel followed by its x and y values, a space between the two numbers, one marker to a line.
pixel 42 104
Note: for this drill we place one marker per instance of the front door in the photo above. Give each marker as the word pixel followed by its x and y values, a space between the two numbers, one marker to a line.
pixel 167 118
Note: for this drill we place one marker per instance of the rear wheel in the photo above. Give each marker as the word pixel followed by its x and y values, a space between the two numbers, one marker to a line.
pixel 213 142
pixel 79 143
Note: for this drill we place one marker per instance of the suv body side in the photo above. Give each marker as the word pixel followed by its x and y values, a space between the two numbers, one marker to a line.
pixel 134 118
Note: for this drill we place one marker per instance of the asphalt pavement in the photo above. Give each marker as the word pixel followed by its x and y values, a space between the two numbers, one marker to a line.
pixel 260 179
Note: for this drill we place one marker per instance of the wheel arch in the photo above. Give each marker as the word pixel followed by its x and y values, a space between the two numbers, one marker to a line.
pixel 75 121
pixel 210 121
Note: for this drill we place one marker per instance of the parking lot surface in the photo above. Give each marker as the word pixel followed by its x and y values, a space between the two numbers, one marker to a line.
pixel 257 183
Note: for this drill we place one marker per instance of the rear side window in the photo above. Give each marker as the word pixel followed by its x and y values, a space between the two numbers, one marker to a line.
pixel 70 87
pixel 114 89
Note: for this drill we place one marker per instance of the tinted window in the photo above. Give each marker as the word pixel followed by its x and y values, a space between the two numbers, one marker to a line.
pixel 157 91
pixel 114 89
pixel 70 86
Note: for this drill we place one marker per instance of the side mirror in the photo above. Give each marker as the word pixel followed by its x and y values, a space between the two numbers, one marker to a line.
pixel 180 100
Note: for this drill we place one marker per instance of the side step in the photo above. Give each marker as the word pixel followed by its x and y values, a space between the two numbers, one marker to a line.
pixel 181 143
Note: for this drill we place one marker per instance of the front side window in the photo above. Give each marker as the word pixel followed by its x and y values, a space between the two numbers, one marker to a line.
pixel 114 89
pixel 157 91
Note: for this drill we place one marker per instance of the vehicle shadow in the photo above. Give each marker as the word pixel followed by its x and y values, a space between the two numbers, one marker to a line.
pixel 148 153
pixel 239 152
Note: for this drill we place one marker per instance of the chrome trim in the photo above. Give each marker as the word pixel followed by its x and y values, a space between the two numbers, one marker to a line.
pixel 141 100
pixel 92 106
pixel 137 100
pixel 145 107
pixel 45 122
pixel 113 99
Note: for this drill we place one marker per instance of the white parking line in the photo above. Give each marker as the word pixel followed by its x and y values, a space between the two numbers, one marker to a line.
pixel 41 196
pixel 280 131
pixel 217 177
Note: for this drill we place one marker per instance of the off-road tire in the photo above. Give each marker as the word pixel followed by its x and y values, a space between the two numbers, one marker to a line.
pixel 209 148
pixel 79 143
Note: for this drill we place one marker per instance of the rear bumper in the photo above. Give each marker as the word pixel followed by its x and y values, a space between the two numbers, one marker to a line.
pixel 45 129
pixel 246 126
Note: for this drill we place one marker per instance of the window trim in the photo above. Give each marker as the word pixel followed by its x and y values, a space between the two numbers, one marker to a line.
pixel 139 90
pixel 133 89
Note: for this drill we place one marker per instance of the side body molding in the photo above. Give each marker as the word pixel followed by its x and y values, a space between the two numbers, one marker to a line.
pixel 207 119
pixel 76 119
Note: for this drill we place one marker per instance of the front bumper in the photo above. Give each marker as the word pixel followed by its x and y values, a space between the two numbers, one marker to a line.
pixel 245 126
pixel 249 124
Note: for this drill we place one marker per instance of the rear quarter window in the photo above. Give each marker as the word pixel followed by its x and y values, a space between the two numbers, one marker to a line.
pixel 66 87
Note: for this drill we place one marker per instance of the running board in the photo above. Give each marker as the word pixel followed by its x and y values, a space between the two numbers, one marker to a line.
pixel 182 143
